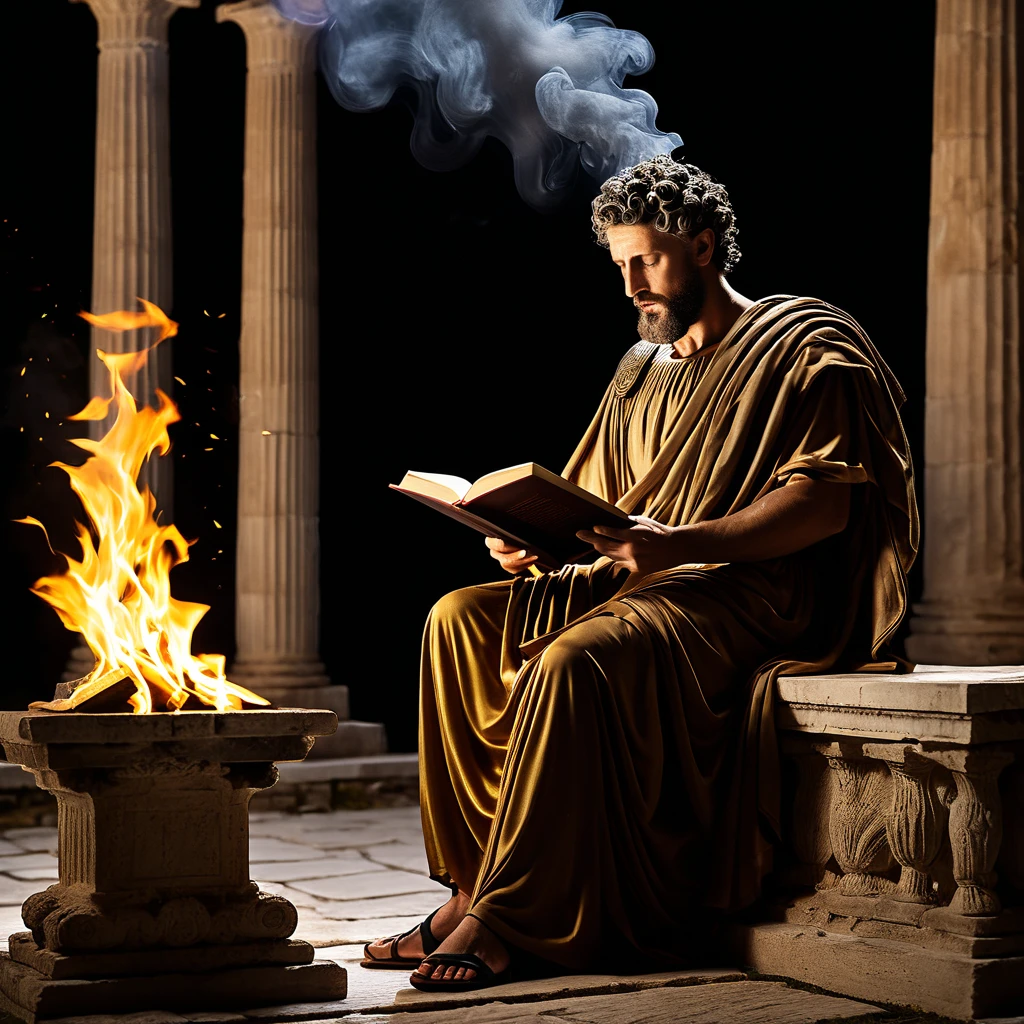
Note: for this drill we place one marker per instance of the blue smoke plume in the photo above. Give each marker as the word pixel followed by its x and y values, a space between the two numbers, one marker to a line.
pixel 549 88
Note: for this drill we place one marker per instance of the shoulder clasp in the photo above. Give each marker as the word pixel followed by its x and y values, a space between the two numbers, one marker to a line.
pixel 633 367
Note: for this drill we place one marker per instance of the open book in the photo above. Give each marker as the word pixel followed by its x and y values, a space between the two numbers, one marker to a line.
pixel 526 505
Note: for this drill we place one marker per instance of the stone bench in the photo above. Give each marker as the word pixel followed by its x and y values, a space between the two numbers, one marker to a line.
pixel 902 877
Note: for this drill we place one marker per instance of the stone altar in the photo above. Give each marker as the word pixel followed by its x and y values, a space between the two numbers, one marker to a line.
pixel 154 908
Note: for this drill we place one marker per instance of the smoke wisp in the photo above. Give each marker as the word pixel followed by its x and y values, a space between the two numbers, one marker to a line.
pixel 550 88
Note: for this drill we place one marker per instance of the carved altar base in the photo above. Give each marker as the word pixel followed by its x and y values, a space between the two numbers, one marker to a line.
pixel 903 877
pixel 154 908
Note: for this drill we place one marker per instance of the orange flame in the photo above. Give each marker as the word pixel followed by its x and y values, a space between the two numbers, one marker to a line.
pixel 117 595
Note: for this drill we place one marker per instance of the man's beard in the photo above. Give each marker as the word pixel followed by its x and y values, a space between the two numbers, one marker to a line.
pixel 679 313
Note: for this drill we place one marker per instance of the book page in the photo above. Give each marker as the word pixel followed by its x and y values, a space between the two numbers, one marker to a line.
pixel 502 477
pixel 489 481
pixel 437 485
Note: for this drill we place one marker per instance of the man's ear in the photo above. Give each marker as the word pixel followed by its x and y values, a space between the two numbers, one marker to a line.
pixel 703 247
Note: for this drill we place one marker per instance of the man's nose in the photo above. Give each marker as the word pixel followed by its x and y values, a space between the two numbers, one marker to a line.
pixel 635 280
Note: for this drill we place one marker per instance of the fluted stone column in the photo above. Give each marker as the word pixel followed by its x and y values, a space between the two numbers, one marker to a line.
pixel 972 610
pixel 131 247
pixel 277 583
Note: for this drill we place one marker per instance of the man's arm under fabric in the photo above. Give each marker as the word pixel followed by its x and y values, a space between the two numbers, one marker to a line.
pixel 787 519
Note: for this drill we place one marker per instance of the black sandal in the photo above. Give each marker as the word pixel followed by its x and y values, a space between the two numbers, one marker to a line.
pixel 396 962
pixel 485 977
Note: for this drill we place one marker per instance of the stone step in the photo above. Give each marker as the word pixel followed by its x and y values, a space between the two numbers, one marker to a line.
pixel 332 769
pixel 685 998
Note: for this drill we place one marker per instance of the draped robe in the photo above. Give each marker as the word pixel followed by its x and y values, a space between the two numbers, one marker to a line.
pixel 599 764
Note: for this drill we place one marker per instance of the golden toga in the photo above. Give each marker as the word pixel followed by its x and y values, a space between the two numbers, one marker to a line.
pixel 598 756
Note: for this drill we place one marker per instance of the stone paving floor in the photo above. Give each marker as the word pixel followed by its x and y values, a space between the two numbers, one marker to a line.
pixel 357 875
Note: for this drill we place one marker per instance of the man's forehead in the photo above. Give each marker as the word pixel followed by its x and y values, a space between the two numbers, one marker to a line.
pixel 627 240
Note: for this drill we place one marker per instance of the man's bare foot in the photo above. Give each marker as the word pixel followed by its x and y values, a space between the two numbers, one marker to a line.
pixel 471 936
pixel 446 919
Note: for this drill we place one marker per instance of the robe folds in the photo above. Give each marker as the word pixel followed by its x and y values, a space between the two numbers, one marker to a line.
pixel 599 764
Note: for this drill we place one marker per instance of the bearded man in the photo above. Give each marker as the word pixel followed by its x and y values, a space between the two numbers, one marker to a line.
pixel 598 758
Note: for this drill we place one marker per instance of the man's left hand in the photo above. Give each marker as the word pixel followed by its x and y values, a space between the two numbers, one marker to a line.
pixel 645 547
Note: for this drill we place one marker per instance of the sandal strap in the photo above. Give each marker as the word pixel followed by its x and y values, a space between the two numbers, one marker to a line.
pixel 470 960
pixel 427 936
pixel 393 948
pixel 430 943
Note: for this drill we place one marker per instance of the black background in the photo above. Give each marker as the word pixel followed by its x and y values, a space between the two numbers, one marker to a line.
pixel 461 330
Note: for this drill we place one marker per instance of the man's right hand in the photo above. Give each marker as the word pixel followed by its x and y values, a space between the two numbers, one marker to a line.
pixel 513 559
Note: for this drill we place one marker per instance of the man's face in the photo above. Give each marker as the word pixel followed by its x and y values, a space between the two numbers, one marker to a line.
pixel 661 277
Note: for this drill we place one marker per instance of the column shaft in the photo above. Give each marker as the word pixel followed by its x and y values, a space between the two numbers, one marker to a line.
pixel 277 592
pixel 972 610
pixel 132 200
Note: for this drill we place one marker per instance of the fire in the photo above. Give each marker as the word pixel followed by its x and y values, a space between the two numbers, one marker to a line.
pixel 117 595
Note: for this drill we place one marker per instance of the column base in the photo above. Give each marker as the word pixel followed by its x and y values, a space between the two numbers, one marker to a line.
pixel 884 971
pixel 352 739
pixel 944 635
pixel 331 697
pixel 165 960
pixel 29 994
pixel 272 674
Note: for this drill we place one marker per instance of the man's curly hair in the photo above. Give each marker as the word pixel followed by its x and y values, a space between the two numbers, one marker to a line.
pixel 679 198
